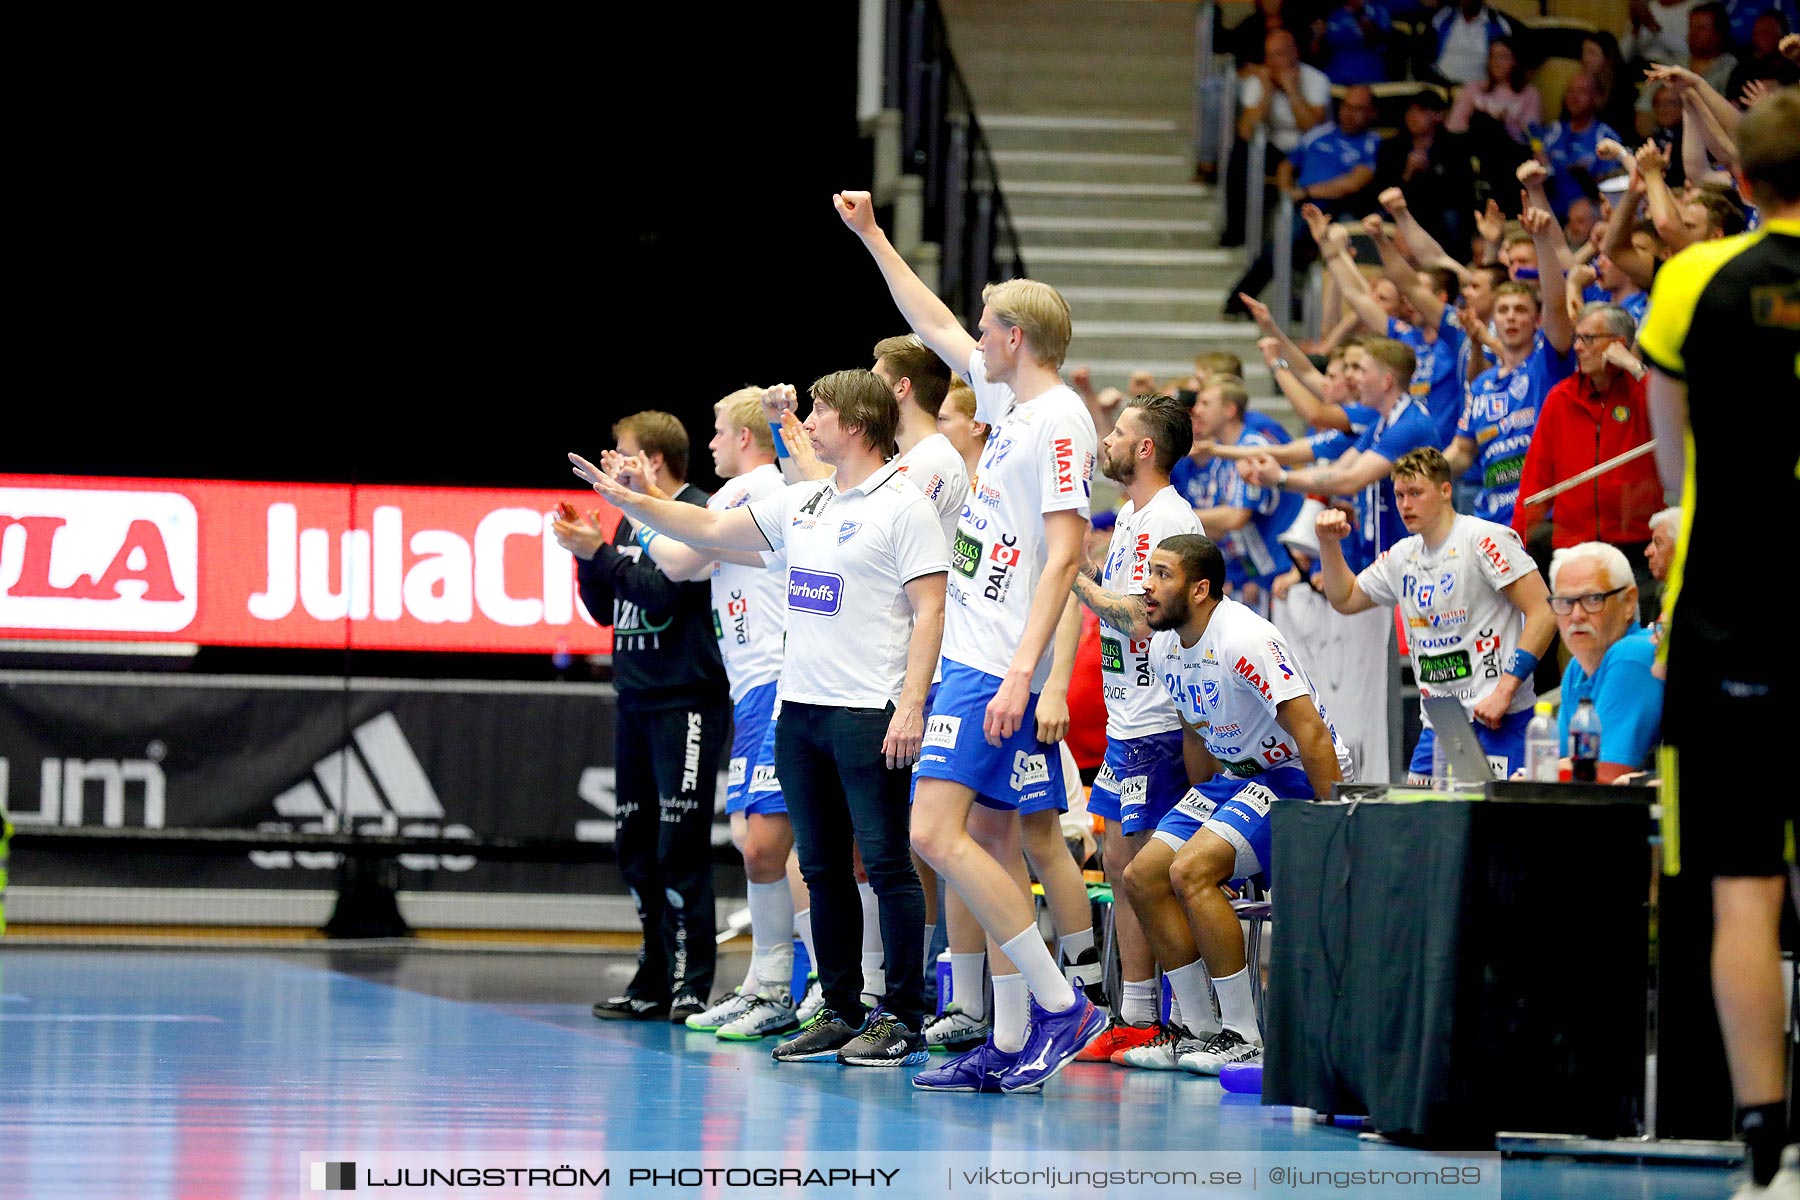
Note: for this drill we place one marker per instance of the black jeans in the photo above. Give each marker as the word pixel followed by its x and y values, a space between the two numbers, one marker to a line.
pixel 667 780
pixel 838 788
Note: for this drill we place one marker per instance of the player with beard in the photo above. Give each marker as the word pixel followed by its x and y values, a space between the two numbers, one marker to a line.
pixel 1254 731
pixel 1144 772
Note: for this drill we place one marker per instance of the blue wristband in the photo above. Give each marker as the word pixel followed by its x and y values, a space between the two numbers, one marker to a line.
pixel 781 450
pixel 1524 664
pixel 644 536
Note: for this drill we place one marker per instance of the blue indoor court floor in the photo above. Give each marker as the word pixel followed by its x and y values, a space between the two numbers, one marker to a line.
pixel 223 1073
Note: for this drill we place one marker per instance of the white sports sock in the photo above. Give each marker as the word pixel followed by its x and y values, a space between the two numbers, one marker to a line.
pixel 1189 985
pixel 1237 1011
pixel 772 932
pixel 1138 1007
pixel 1027 951
pixel 1010 992
pixel 965 983
pixel 1071 948
pixel 874 960
pixel 803 927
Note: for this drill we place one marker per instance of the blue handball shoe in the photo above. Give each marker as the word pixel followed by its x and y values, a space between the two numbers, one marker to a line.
pixel 978 1070
pixel 1055 1040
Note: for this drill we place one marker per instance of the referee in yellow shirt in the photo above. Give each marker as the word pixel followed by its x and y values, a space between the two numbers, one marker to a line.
pixel 1723 334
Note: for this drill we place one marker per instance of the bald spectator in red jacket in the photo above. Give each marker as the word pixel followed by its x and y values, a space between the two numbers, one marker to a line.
pixel 1595 414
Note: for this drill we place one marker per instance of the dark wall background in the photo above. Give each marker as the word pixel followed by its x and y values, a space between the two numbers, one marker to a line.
pixel 434 254
pixel 429 254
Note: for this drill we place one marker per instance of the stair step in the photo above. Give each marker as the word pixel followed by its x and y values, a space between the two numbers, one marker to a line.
pixel 1079 164
pixel 1011 121
pixel 1122 233
pixel 1149 257
pixel 1100 135
pixel 1105 189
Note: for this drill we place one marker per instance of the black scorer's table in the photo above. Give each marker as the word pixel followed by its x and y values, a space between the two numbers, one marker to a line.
pixel 1456 966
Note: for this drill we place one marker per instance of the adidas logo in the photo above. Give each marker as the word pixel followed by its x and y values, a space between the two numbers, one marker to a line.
pixel 374 784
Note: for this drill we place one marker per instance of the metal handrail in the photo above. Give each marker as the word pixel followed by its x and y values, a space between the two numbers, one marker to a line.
pixel 942 142
pixel 1283 239
pixel 1255 165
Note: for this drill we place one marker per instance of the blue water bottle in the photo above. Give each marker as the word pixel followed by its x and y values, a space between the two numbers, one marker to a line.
pixel 1584 741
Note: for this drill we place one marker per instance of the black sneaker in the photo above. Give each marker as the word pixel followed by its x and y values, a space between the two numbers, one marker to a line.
pixel 885 1041
pixel 684 1006
pixel 632 1008
pixel 818 1042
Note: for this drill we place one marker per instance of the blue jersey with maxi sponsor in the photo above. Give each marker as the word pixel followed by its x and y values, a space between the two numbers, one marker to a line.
pixel 1378 524
pixel 1501 416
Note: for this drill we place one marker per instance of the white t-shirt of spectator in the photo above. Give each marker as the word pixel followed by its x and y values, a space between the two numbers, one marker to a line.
pixel 749 605
pixel 1461 627
pixel 1039 459
pixel 1284 130
pixel 1465 53
pixel 1670 44
pixel 1228 684
pixel 850 556
pixel 1136 704
pixel 936 467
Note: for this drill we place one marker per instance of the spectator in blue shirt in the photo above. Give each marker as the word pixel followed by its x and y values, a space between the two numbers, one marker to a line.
pixel 1331 167
pixel 1379 371
pixel 1501 412
pixel 1436 346
pixel 1246 521
pixel 1741 17
pixel 1569 145
pixel 1350 43
pixel 1595 601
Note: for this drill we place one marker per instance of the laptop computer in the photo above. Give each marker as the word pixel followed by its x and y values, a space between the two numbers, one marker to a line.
pixel 1456 738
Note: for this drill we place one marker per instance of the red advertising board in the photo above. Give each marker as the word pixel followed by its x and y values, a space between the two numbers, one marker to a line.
pixel 304 566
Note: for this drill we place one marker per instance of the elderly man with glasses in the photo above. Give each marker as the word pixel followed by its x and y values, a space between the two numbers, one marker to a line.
pixel 1594 600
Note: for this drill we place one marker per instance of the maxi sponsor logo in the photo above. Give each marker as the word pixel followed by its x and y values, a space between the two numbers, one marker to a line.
pixel 818 592
pixel 1247 670
pixel 1062 458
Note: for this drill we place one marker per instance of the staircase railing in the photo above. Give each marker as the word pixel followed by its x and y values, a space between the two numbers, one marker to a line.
pixel 942 142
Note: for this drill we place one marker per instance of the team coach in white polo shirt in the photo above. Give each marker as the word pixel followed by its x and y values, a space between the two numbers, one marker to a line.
pixel 865 606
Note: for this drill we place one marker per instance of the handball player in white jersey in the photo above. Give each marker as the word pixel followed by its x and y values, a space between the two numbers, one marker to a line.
pixel 1012 563
pixel 1144 773
pixel 1477 612
pixel 1254 732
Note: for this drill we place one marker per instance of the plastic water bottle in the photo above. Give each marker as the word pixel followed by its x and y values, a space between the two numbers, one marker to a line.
pixel 1541 748
pixel 946 990
pixel 1584 740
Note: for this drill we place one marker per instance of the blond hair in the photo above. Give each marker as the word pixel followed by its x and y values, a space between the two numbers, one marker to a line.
pixel 1036 310
pixel 1219 362
pixel 743 408
pixel 961 397
pixel 1397 357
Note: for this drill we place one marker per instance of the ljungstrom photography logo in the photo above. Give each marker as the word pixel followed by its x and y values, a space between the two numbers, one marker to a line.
pixel 334 1177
